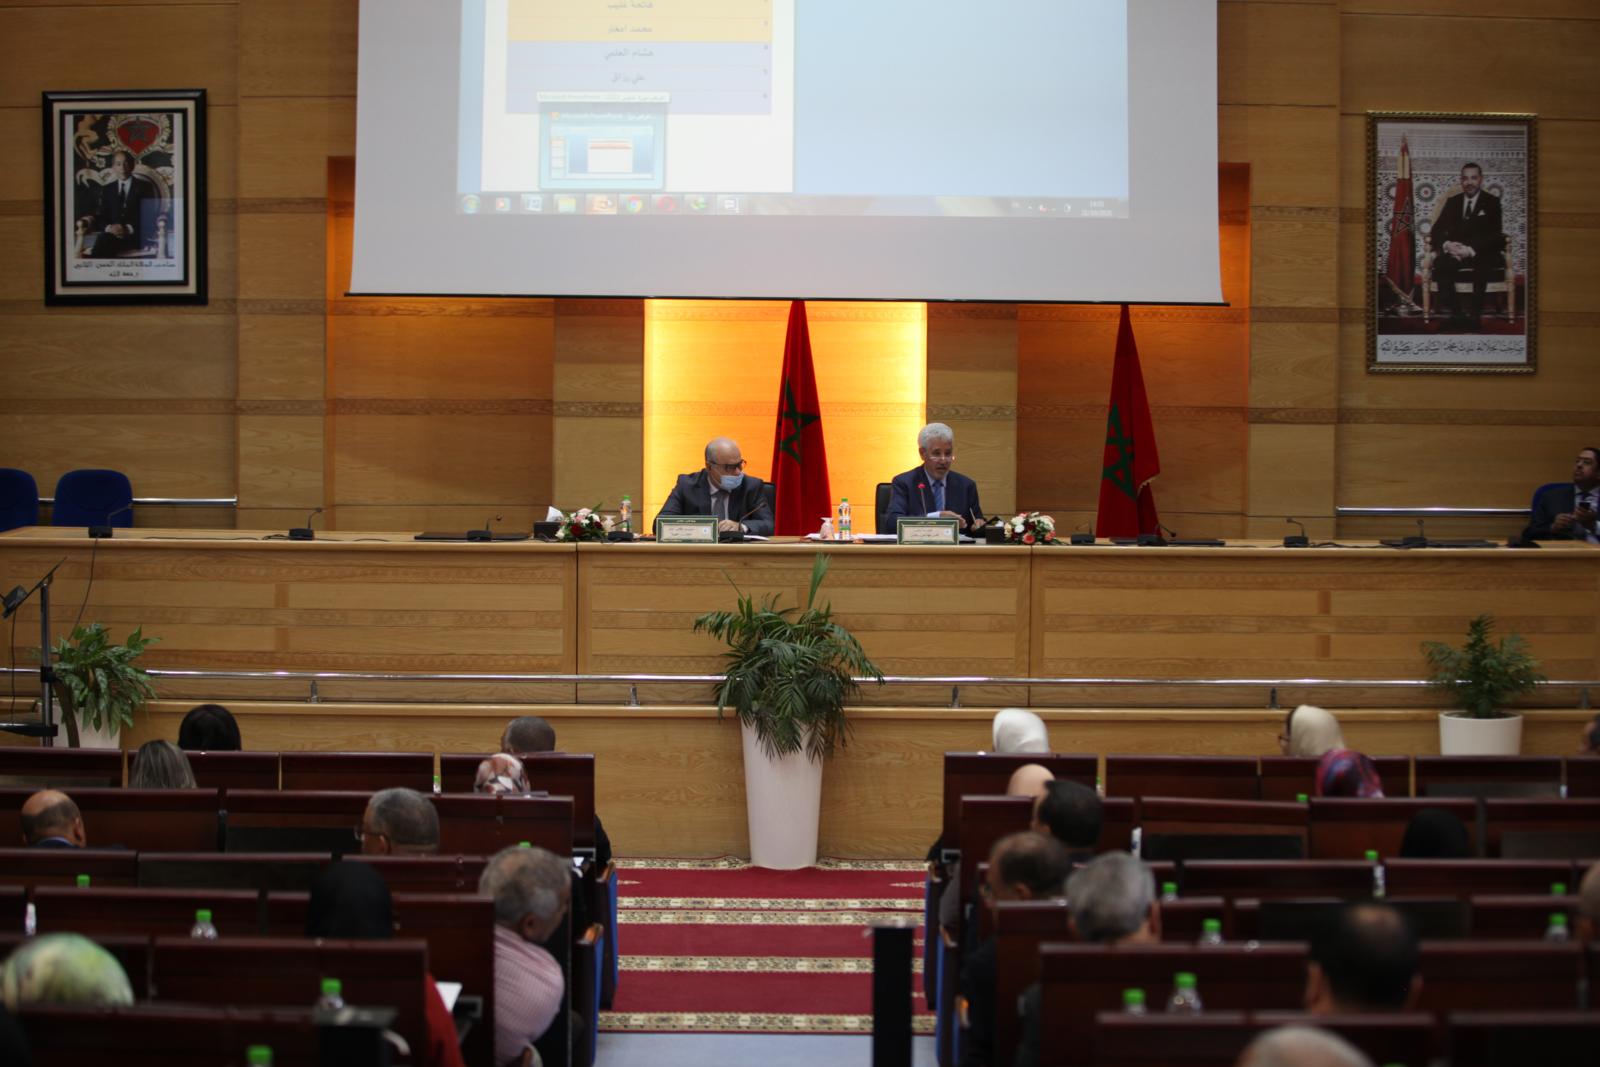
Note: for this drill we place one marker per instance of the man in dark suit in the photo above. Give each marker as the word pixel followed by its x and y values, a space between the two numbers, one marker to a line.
pixel 1468 239
pixel 723 489
pixel 1567 512
pixel 120 218
pixel 933 489
pixel 51 820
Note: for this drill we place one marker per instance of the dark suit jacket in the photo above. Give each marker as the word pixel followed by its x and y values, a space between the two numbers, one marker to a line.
pixel 906 501
pixel 980 973
pixel 1482 232
pixel 53 842
pixel 692 496
pixel 1559 500
pixel 136 211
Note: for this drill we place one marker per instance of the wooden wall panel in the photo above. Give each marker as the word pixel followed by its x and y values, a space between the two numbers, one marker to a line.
pixel 972 388
pixel 598 382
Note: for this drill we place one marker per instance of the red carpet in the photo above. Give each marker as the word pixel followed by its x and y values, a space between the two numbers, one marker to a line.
pixel 719 946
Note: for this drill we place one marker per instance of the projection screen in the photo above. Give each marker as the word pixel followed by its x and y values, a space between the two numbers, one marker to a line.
pixel 1016 150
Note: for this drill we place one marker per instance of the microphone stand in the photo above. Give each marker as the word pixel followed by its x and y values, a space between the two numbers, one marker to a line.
pixel 46 728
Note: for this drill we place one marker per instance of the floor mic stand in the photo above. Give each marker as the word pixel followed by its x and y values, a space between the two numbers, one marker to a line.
pixel 46 728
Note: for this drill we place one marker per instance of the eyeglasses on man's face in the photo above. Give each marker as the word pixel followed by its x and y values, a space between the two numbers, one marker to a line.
pixel 728 468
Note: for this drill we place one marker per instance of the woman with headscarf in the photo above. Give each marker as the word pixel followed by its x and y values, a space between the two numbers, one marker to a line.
pixel 1313 732
pixel 1016 730
pixel 502 773
pixel 351 900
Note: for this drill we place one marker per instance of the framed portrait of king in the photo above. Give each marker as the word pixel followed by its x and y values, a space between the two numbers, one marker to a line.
pixel 1451 243
pixel 125 197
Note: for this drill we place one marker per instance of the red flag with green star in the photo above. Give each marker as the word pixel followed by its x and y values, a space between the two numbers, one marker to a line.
pixel 799 455
pixel 1127 505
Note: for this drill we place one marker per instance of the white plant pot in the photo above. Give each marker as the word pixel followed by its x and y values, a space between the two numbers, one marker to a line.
pixel 89 737
pixel 1460 735
pixel 783 799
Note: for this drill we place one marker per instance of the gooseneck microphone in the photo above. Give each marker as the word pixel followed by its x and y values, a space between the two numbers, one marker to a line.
pixel 105 530
pixel 1299 540
pixel 487 533
pixel 922 491
pixel 305 533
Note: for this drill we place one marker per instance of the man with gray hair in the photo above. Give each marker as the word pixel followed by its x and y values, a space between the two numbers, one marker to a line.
pixel 933 489
pixel 399 822
pixel 722 489
pixel 531 890
pixel 1301 1046
pixel 1113 901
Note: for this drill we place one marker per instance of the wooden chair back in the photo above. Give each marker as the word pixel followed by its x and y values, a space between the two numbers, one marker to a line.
pixel 61 866
pixel 565 774
pixel 234 770
pixel 1206 777
pixel 1344 828
pixel 1342 879
pixel 365 772
pixel 168 819
pixel 164 1035
pixel 1525 829
pixel 1500 975
pixel 1287 777
pixel 1463 775
pixel 96 912
pixel 236 870
pixel 60 768
pixel 1433 878
pixel 1490 1039
pixel 988 773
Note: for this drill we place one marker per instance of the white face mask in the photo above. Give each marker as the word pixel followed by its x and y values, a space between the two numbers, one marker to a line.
pixel 731 482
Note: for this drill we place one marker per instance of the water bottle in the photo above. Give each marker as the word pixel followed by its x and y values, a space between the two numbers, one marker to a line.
pixel 1169 892
pixel 1557 930
pixel 83 881
pixel 1378 886
pixel 258 1056
pixel 844 518
pixel 1301 798
pixel 30 920
pixel 438 784
pixel 1558 889
pixel 625 515
pixel 202 930
pixel 1185 998
pixel 331 999
pixel 1133 1001
pixel 1210 932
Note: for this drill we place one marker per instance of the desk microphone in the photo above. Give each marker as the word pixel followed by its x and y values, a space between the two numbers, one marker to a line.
pixel 1418 539
pixel 105 531
pixel 1299 540
pixel 922 491
pixel 1154 537
pixel 304 533
pixel 485 534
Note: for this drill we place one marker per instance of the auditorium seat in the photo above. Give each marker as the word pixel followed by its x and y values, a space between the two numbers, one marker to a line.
pixel 983 821
pixel 483 825
pixel 96 912
pixel 176 820
pixel 1488 776
pixel 19 499
pixel 1543 829
pixel 234 770
pixel 92 498
pixel 167 1035
pixel 1583 776
pixel 1288 777
pixel 1122 1040
pixel 1497 1038
pixel 1347 827
pixel 988 774
pixel 61 866
pixel 239 870
pixel 566 774
pixel 1210 777
pixel 13 906
pixel 60 768
pixel 293 820
pixel 1177 828
pixel 1342 879
pixel 1020 927
pixel 360 771
pixel 427 874
pixel 1429 878
pixel 1500 975
pixel 1519 918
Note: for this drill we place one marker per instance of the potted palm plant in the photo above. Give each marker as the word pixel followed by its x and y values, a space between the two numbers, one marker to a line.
pixel 788 674
pixel 97 684
pixel 1481 678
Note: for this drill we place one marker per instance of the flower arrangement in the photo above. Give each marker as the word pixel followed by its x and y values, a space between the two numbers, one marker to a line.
pixel 585 524
pixel 1031 528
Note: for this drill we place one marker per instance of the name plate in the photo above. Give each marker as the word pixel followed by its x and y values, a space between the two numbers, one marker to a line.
pixel 927 531
pixel 686 530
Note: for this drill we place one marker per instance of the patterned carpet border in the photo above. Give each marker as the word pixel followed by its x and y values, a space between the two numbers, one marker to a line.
pixel 772 918
pixel 734 863
pixel 734 1022
pixel 755 964
pixel 773 903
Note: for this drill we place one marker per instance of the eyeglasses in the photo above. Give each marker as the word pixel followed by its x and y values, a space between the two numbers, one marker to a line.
pixel 728 468
pixel 362 834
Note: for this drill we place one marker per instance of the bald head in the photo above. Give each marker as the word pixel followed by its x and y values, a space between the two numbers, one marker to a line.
pixel 1366 960
pixel 1301 1046
pixel 51 814
pixel 1029 780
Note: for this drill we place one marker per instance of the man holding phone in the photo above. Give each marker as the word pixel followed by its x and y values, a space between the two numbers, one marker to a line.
pixel 1567 512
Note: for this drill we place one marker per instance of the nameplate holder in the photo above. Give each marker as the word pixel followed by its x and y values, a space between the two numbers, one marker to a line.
pixel 686 530
pixel 927 531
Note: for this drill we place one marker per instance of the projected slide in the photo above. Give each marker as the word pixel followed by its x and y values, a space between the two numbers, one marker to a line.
pixel 794 108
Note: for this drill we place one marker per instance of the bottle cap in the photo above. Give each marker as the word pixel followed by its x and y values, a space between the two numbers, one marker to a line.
pixel 1372 855
pixel 331 987
pixel 1169 889
pixel 1211 926
pixel 83 881
pixel 524 844
pixel 1131 997
pixel 1302 798
pixel 203 915
pixel 1184 980
pixel 258 1055
pixel 1558 918
pixel 1558 889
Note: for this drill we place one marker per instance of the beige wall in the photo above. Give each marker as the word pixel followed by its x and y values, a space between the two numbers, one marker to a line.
pixel 425 413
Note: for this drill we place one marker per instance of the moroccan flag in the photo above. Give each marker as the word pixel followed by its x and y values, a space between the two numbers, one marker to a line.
pixel 1399 269
pixel 799 456
pixel 1127 506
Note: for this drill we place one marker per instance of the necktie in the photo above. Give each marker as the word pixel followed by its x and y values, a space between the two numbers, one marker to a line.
pixel 938 496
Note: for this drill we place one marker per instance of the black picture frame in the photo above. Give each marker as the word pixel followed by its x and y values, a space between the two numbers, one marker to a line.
pixel 143 242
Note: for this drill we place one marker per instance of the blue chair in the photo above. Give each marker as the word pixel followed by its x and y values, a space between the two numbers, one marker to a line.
pixel 19 499
pixel 1537 493
pixel 88 497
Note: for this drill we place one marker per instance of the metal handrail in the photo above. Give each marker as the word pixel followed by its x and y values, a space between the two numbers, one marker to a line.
pixel 172 501
pixel 1428 512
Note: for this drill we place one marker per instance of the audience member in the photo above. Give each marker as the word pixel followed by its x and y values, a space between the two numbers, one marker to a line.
pixel 1111 901
pixel 1016 730
pixel 530 888
pixel 63 969
pixel 529 735
pixel 1341 772
pixel 1365 960
pixel 50 819
pixel 501 773
pixel 1589 741
pixel 160 765
pixel 1589 906
pixel 1435 834
pixel 209 728
pixel 1023 866
pixel 350 900
pixel 1302 1046
pixel 1072 814
pixel 399 822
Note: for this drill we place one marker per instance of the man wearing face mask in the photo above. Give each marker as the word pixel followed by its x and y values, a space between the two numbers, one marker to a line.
pixel 723 489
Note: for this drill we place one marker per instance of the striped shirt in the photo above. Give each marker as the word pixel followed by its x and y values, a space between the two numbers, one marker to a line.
pixel 528 992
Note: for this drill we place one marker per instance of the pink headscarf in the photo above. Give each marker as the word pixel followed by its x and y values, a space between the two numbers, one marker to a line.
pixel 501 773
